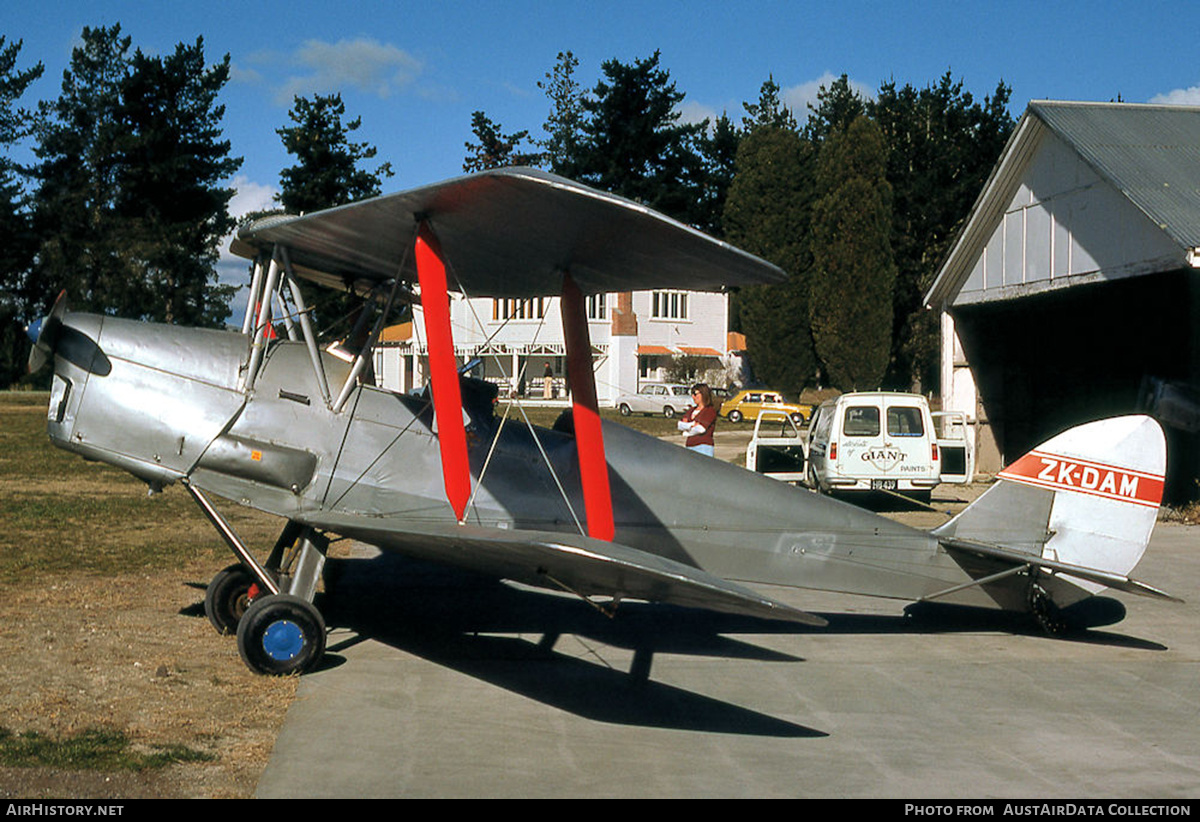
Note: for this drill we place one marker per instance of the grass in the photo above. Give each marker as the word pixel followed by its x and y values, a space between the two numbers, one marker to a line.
pixel 61 513
pixel 92 749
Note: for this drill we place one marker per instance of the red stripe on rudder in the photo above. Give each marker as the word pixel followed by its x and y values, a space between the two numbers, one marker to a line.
pixel 589 437
pixel 443 370
pixel 1062 473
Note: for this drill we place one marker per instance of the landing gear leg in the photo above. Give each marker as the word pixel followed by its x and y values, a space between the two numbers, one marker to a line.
pixel 234 588
pixel 279 631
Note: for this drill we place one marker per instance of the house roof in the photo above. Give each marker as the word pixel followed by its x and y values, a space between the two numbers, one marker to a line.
pixel 1148 153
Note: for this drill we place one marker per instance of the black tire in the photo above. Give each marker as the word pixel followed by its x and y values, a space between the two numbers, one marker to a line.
pixel 735 416
pixel 1046 613
pixel 227 598
pixel 668 412
pixel 798 418
pixel 281 634
pixel 625 410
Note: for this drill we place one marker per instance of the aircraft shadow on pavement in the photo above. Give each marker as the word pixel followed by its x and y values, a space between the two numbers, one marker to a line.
pixel 475 624
pixel 478 625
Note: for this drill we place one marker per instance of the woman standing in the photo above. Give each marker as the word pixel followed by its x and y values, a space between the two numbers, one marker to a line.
pixel 700 421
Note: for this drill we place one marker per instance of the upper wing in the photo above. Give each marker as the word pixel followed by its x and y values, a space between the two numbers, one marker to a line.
pixel 508 232
pixel 569 561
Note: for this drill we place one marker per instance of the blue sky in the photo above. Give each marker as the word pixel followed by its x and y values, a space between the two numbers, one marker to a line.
pixel 415 71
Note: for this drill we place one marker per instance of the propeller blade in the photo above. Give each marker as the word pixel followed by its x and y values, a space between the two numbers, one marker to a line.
pixel 44 334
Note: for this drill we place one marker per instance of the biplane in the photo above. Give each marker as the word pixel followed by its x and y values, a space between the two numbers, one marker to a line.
pixel 279 423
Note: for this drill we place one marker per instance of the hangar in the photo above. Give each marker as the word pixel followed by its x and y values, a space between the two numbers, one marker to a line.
pixel 1072 291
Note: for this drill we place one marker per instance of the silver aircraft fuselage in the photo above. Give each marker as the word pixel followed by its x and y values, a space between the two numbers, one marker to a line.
pixel 169 404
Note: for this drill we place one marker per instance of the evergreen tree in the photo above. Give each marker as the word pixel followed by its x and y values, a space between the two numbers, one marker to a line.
pixel 327 174
pixel 837 107
pixel 327 171
pixel 496 149
pixel 128 207
pixel 769 110
pixel 16 231
pixel 634 145
pixel 564 126
pixel 718 152
pixel 767 213
pixel 853 271
pixel 942 147
pixel 78 148
pixel 170 201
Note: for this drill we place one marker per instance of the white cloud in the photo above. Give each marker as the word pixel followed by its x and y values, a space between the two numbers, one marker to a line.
pixel 250 196
pixel 691 113
pixel 1179 97
pixel 798 97
pixel 363 64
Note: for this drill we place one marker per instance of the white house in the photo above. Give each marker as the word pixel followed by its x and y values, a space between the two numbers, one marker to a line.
pixel 634 335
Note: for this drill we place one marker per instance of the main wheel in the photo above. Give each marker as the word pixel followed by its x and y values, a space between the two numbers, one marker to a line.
pixel 735 416
pixel 281 634
pixel 228 596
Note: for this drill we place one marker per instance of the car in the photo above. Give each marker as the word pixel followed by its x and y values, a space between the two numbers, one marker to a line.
pixel 668 399
pixel 747 404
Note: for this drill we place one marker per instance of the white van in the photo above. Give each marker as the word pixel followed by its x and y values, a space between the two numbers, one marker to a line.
pixel 884 441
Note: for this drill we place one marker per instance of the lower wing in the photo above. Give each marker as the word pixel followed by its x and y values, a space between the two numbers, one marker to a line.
pixel 571 562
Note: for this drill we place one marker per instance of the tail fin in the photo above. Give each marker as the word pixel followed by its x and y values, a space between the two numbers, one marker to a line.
pixel 1086 499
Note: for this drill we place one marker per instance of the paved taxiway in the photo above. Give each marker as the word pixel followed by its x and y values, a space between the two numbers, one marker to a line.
pixel 442 684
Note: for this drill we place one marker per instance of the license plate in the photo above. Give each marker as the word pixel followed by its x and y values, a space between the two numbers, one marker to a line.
pixel 883 485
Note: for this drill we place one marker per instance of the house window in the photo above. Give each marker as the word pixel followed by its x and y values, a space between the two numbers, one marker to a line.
pixel 596 307
pixel 532 309
pixel 669 305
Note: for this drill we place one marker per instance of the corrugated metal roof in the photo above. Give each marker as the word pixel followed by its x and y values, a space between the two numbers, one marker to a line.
pixel 1150 153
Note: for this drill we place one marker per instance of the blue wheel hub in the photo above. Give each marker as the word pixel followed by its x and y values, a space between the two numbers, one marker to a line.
pixel 283 640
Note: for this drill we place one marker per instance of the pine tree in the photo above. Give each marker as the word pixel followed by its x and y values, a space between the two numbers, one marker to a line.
pixel 327 174
pixel 327 171
pixel 129 210
pixel 634 145
pixel 496 149
pixel 171 202
pixel 78 136
pixel 837 107
pixel 767 213
pixel 17 243
pixel 942 146
pixel 853 268
pixel 564 126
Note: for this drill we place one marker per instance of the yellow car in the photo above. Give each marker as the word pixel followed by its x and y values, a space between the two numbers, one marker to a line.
pixel 747 405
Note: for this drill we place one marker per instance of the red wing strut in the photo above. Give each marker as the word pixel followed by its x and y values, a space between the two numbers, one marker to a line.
pixel 443 371
pixel 589 439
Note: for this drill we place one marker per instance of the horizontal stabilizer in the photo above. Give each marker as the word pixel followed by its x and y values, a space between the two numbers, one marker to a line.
pixel 568 561
pixel 1118 582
